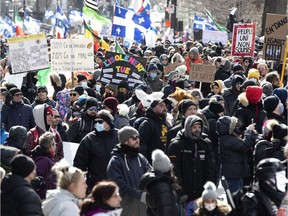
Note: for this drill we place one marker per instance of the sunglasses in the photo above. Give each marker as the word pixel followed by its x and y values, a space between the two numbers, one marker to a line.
pixel 93 109
pixel 73 94
pixel 99 121
pixel 134 137
pixel 56 116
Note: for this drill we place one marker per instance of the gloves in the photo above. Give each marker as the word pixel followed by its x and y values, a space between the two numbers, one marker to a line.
pixel 143 198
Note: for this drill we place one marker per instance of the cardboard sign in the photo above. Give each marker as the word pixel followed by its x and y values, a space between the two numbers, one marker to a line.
pixel 28 53
pixel 171 67
pixel 215 36
pixel 202 73
pixel 275 37
pixel 72 55
pixel 243 42
pixel 118 67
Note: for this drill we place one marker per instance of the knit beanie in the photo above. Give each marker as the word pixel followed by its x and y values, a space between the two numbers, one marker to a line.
pixel 112 104
pixel 253 73
pixel 18 133
pixel 81 77
pixel 237 68
pixel 270 103
pixel 216 108
pixel 279 131
pixel 160 161
pixel 91 102
pixel 14 91
pixel 185 104
pixel 99 55
pixel 125 133
pixel 22 165
pixel 267 88
pixel 282 94
pixel 106 116
pixel 209 191
pixel 152 67
pixel 79 89
pixel 254 94
pixel 42 88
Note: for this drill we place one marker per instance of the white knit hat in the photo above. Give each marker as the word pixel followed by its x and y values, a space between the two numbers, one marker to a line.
pixel 160 161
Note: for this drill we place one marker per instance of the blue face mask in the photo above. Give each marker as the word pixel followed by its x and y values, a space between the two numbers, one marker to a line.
pixel 99 127
pixel 98 87
pixel 153 75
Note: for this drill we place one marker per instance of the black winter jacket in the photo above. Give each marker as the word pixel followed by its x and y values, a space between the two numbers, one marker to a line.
pixel 193 162
pixel 161 197
pixel 18 198
pixel 94 153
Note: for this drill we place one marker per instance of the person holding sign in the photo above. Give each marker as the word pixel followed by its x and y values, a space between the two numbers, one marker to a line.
pixel 193 57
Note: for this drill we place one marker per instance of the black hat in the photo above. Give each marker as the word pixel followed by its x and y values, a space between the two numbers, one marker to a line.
pixel 279 131
pixel 91 102
pixel 123 84
pixel 22 165
pixel 14 91
pixel 152 67
pixel 44 88
pixel 99 55
pixel 158 101
pixel 185 104
pixel 270 103
pixel 17 133
pixel 107 117
pixel 79 89
pixel 216 108
pixel 81 77
pixel 237 67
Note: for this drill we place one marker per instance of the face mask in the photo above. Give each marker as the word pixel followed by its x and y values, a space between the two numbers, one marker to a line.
pixel 281 108
pixel 98 87
pixel 210 206
pixel 84 84
pixel 153 75
pixel 99 127
pixel 281 181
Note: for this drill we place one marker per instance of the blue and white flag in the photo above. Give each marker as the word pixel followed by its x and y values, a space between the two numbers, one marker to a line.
pixel 10 23
pixel 204 24
pixel 6 30
pixel 126 23
pixel 62 24
pixel 50 15
pixel 75 17
pixel 32 26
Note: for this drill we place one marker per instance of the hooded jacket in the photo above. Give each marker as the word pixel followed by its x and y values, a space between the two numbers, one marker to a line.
pixel 60 202
pixel 39 129
pixel 192 159
pixel 94 153
pixel 126 170
pixel 18 197
pixel 155 85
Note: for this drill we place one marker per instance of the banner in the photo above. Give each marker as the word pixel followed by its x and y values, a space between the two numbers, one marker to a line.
pixel 275 37
pixel 28 53
pixel 202 73
pixel 215 36
pixel 243 42
pixel 72 55
pixel 118 67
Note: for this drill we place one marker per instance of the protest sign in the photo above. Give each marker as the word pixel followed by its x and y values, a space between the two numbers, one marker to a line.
pixel 215 36
pixel 72 55
pixel 70 150
pixel 28 53
pixel 243 42
pixel 171 67
pixel 118 67
pixel 275 37
pixel 202 72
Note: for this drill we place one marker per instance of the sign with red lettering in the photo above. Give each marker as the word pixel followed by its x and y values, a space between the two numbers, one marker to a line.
pixel 243 42
pixel 275 37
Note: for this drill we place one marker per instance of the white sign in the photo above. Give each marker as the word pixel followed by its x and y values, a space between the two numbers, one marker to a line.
pixel 215 36
pixel 72 55
pixel 28 53
pixel 70 150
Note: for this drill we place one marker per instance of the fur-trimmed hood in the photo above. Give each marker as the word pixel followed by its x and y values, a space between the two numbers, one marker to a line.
pixel 226 125
pixel 243 99
pixel 55 79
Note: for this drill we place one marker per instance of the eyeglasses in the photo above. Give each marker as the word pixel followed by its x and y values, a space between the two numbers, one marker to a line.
pixel 56 116
pixel 73 94
pixel 18 95
pixel 99 121
pixel 93 109
pixel 134 137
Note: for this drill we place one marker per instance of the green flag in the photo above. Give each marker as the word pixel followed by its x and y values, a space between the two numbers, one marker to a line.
pixel 43 76
pixel 118 48
pixel 220 27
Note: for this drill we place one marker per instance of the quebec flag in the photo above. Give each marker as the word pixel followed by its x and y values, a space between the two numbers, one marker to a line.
pixel 62 24
pixel 204 24
pixel 126 23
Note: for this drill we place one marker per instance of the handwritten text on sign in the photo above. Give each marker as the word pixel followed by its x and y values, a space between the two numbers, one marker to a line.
pixel 202 73
pixel 243 42
pixel 28 53
pixel 72 55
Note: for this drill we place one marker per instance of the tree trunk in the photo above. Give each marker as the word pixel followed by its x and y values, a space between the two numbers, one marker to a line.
pixel 272 6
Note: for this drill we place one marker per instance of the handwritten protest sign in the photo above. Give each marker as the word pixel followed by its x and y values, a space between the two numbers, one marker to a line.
pixel 275 37
pixel 171 67
pixel 28 53
pixel 202 73
pixel 243 42
pixel 72 55
pixel 118 67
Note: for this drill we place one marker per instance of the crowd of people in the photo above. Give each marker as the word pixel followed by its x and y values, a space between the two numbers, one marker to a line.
pixel 161 147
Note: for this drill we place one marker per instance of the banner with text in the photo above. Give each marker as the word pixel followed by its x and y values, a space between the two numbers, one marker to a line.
pixel 72 55
pixel 243 41
pixel 215 36
pixel 275 37
pixel 202 73
pixel 28 53
pixel 118 67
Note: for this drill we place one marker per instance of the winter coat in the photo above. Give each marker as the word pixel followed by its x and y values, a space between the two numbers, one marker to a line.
pixel 189 61
pixel 3 135
pixel 173 132
pixel 18 198
pixel 100 209
pixel 247 111
pixel 48 101
pixel 155 85
pixel 94 153
pixel 275 149
pixel 7 153
pixel 233 157
pixel 126 170
pixel 62 130
pixel 221 74
pixel 230 98
pixel 17 114
pixel 193 163
pixel 161 198
pixel 121 121
pixel 278 118
pixel 259 151
pixel 153 134
pixel 63 104
pixel 60 202
pixel 44 162
pixel 80 128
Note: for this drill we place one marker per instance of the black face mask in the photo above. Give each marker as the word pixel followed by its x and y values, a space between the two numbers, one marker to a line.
pixel 129 150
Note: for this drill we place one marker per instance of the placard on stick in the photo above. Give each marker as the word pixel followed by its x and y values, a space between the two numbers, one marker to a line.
pixel 243 42
pixel 118 67
pixel 275 37
pixel 202 73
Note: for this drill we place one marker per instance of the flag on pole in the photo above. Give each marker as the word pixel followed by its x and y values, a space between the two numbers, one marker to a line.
pixel 118 48
pixel 141 7
pixel 91 4
pixel 19 25
pixel 32 26
pixel 219 27
pixel 62 24
pixel 203 24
